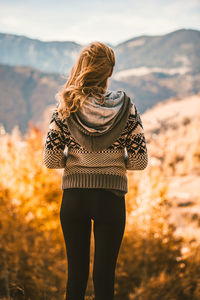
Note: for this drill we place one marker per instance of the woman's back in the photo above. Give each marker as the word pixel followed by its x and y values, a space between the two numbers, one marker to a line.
pixel 103 142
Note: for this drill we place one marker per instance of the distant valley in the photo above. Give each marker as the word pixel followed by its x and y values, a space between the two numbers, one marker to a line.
pixel 149 68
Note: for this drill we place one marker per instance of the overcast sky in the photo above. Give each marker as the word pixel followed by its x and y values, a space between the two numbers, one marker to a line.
pixel 83 21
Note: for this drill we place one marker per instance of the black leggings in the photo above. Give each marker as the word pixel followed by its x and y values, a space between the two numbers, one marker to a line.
pixel 78 207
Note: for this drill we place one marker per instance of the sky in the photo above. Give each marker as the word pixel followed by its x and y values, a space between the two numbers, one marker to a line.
pixel 84 21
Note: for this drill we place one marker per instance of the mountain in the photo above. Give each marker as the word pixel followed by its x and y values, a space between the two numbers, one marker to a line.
pixel 24 95
pixel 152 88
pixel 19 50
pixel 175 52
pixel 150 69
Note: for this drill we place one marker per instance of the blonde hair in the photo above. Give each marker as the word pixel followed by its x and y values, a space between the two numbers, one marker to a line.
pixel 88 77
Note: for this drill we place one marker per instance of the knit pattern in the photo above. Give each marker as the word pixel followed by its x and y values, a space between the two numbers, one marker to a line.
pixel 83 168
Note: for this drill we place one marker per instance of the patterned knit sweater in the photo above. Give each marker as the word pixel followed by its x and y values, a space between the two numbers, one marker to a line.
pixel 102 143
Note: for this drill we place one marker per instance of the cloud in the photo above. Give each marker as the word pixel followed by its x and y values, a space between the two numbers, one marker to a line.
pixel 11 22
pixel 109 21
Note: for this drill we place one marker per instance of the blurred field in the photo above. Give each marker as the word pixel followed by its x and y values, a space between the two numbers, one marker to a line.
pixel 159 256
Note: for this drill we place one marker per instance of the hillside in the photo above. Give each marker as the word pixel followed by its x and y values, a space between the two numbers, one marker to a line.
pixel 175 52
pixel 151 88
pixel 19 50
pixel 173 141
pixel 26 93
pixel 150 69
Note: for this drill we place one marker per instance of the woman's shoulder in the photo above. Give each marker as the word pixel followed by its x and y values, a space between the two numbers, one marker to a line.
pixel 133 110
pixel 57 123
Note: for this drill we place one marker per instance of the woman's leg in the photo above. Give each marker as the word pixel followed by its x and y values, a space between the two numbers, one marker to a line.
pixel 109 226
pixel 76 227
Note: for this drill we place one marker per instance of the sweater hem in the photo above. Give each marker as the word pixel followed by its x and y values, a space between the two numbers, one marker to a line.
pixel 104 181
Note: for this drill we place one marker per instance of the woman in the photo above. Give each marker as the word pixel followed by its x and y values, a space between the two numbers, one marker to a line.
pixel 104 136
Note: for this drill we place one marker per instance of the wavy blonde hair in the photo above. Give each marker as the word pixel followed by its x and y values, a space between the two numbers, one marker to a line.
pixel 88 77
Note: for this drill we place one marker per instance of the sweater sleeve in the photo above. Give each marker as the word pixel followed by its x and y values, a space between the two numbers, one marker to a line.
pixel 53 155
pixel 136 157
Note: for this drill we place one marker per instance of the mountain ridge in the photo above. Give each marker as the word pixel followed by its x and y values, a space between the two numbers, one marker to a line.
pixel 59 56
pixel 143 72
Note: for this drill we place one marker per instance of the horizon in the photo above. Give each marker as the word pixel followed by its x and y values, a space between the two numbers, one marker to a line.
pixel 108 21
pixel 73 41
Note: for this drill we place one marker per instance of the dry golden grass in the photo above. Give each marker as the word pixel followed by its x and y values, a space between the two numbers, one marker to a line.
pixel 157 260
